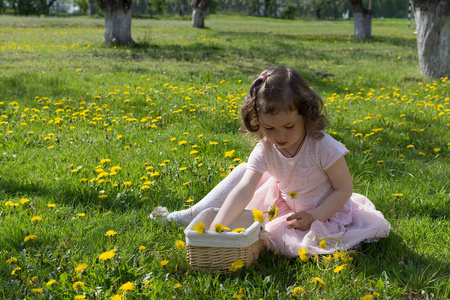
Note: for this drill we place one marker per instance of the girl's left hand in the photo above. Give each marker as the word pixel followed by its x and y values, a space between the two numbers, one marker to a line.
pixel 304 220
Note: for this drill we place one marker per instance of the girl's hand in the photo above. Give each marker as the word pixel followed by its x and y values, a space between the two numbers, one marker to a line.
pixel 304 221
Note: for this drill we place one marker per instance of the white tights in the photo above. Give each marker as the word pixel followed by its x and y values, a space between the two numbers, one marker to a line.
pixel 214 198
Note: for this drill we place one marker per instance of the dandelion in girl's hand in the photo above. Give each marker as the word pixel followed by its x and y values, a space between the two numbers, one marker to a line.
pixel 220 228
pixel 237 265
pixel 293 194
pixel 199 227
pixel 323 244
pixel 258 215
pixel 237 230
pixel 273 212
pixel 110 233
pixel 180 245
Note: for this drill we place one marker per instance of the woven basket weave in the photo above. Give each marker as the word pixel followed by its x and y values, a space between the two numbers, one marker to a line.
pixel 220 258
pixel 228 247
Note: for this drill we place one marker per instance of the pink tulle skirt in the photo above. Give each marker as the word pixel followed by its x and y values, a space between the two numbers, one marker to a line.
pixel 357 221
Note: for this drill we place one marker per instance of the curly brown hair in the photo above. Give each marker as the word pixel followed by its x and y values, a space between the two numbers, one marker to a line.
pixel 281 88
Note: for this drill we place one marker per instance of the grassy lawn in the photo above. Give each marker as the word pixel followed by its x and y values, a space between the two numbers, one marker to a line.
pixel 93 137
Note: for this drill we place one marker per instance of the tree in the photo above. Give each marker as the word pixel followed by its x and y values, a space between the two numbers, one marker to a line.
pixel 362 19
pixel 199 9
pixel 433 36
pixel 117 21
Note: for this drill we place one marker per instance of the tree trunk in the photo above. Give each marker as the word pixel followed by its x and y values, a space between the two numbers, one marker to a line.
pixel 199 8
pixel 362 20
pixel 91 7
pixel 117 21
pixel 433 36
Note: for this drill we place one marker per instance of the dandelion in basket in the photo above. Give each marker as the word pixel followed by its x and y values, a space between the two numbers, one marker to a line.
pixel 221 228
pixel 258 215
pixel 199 227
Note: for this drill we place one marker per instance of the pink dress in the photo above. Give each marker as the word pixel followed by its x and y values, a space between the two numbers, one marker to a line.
pixel 358 220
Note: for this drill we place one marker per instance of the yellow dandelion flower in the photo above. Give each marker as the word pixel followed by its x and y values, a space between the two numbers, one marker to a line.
pixel 110 233
pixel 30 237
pixel 16 269
pixel 189 200
pixel 375 294
pixel 78 284
pixel 273 212
pixel 339 268
pixel 51 205
pixel 323 244
pixel 318 280
pixel 116 297
pixel 199 227
pixel 367 297
pixel 142 248
pixel 180 245
pixel 80 297
pixel 37 291
pixel 107 255
pixel 229 153
pixel 80 268
pixel 81 215
pixel 258 215
pixel 36 219
pixel 296 291
pixel 238 230
pixel 237 265
pixel 303 254
pixel 24 200
pixel 220 228
pixel 50 282
pixel 293 194
pixel 436 150
pixel 128 286
pixel 397 195
pixel 11 260
pixel 164 263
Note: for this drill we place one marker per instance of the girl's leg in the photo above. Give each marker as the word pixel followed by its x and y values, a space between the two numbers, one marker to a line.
pixel 214 198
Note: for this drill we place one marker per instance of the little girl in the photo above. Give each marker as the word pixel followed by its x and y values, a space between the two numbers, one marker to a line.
pixel 298 168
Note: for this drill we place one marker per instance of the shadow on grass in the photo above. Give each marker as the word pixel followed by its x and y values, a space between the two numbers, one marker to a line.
pixel 386 264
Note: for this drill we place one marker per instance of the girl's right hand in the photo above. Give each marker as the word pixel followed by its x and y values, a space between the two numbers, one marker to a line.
pixel 304 221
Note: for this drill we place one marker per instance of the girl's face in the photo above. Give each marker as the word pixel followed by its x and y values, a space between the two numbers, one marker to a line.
pixel 285 129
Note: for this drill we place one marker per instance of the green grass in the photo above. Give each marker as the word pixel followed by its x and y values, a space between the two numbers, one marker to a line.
pixel 165 113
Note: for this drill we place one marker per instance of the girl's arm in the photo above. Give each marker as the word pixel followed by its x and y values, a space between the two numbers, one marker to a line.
pixel 238 199
pixel 342 190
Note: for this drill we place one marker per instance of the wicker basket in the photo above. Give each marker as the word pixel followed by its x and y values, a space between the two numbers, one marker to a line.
pixel 228 246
